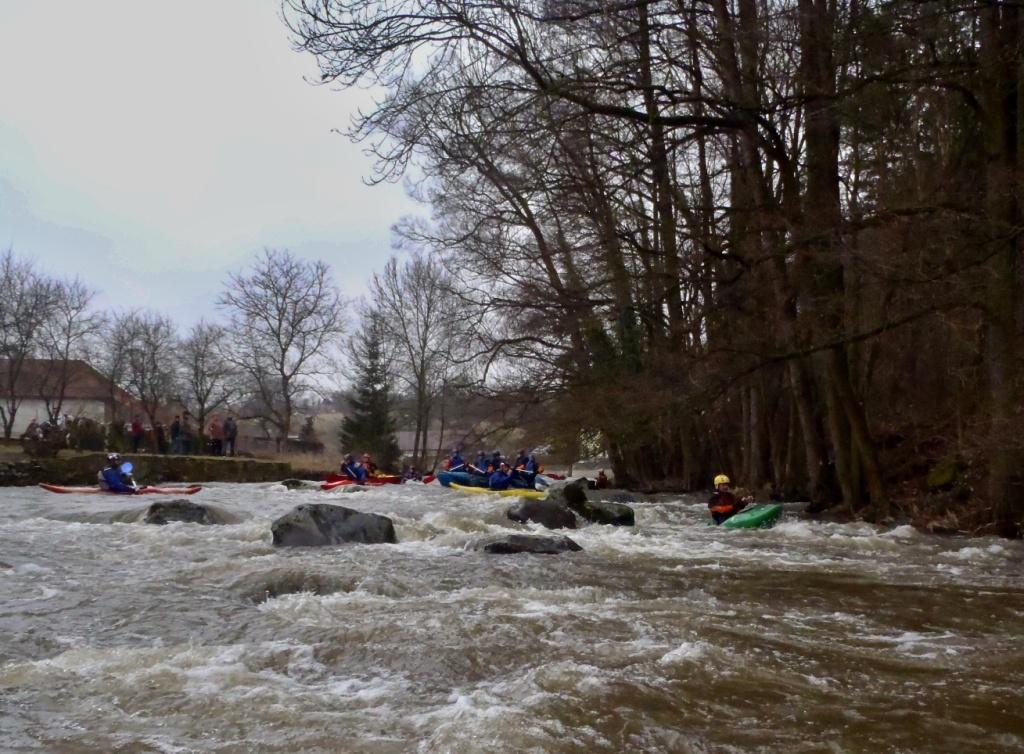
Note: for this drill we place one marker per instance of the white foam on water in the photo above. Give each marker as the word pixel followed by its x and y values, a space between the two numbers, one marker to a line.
pixel 906 531
pixel 793 529
pixel 32 568
pixel 688 651
pixel 978 553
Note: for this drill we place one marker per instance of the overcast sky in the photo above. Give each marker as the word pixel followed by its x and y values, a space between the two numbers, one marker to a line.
pixel 150 147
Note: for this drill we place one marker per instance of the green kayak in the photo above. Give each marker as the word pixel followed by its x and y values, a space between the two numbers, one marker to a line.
pixel 756 517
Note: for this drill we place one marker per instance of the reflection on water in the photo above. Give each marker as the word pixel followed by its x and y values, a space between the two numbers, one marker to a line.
pixel 672 636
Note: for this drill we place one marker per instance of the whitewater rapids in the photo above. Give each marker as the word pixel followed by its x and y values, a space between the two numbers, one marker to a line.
pixel 669 637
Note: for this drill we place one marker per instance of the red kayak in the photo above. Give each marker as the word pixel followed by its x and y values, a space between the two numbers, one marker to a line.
pixel 190 490
pixel 336 480
pixel 379 479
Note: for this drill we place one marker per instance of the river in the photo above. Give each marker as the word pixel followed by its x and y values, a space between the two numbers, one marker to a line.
pixel 669 637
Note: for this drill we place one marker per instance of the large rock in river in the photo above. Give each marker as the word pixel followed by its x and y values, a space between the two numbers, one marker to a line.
pixel 550 514
pixel 166 511
pixel 574 497
pixel 320 524
pixel 510 544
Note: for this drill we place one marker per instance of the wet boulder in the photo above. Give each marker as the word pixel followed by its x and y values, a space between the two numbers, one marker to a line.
pixel 548 513
pixel 185 511
pixel 298 484
pixel 321 524
pixel 600 512
pixel 574 497
pixel 511 544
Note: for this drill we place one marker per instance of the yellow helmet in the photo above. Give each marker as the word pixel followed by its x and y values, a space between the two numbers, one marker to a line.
pixel 722 479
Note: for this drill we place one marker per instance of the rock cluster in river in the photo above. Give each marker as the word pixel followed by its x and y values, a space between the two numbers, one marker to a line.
pixel 321 524
pixel 564 503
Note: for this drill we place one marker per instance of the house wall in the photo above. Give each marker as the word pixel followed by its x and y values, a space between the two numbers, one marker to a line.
pixel 34 408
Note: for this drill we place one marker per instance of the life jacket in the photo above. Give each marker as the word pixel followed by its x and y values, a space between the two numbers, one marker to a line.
pixel 722 502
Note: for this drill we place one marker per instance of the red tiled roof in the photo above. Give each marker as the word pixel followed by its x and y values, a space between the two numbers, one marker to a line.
pixel 37 376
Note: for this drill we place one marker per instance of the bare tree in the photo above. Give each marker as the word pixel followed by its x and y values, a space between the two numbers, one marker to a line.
pixel 65 337
pixel 419 315
pixel 208 379
pixel 151 345
pixel 285 315
pixel 25 304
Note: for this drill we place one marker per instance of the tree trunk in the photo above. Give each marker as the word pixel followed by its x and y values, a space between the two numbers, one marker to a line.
pixel 1001 69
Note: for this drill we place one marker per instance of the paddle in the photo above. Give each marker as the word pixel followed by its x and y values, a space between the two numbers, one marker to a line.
pixel 126 469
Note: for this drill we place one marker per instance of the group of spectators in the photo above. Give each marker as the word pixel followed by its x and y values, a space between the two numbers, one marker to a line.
pixel 220 438
pixel 181 437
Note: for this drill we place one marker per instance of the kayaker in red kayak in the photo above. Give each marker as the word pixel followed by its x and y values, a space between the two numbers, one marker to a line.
pixel 352 470
pixel 113 479
pixel 368 465
pixel 723 502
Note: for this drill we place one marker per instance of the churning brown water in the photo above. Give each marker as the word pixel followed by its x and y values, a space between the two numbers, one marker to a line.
pixel 123 637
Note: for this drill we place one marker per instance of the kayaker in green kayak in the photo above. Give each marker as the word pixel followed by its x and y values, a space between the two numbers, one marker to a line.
pixel 723 503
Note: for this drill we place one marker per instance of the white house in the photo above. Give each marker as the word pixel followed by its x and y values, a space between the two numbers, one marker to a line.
pixel 87 393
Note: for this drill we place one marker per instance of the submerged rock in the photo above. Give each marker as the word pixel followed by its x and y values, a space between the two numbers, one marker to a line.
pixel 511 544
pixel 166 511
pixel 260 587
pixel 321 524
pixel 297 484
pixel 548 513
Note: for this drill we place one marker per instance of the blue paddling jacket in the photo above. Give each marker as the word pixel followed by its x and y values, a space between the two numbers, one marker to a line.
pixel 499 480
pixel 112 478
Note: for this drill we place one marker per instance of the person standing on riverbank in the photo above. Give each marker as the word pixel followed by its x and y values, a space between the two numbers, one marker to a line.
pixel 176 435
pixel 161 438
pixel 187 433
pixel 230 435
pixel 216 431
pixel 138 432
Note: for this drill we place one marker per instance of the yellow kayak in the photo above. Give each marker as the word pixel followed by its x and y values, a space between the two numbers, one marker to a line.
pixel 538 494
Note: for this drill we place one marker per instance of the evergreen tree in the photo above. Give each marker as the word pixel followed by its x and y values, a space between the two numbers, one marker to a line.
pixel 370 428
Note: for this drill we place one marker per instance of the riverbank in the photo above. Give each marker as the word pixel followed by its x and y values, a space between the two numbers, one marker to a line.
pixel 81 469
